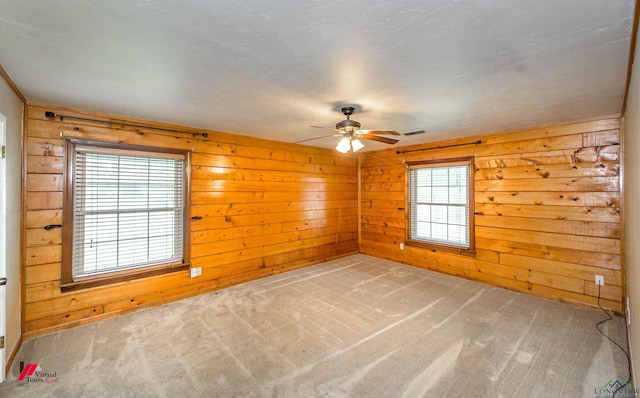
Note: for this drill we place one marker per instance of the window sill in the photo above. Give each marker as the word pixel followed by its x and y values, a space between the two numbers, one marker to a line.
pixel 124 276
pixel 442 248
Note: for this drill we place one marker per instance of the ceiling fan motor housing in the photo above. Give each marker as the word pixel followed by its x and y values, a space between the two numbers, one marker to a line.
pixel 348 125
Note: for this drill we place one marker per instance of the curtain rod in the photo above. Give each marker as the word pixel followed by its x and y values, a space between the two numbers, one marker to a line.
pixel 440 147
pixel 49 114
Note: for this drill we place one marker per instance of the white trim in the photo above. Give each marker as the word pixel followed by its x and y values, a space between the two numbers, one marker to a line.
pixel 3 246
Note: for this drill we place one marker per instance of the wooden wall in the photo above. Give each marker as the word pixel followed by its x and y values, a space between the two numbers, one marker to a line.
pixel 549 201
pixel 550 211
pixel 266 207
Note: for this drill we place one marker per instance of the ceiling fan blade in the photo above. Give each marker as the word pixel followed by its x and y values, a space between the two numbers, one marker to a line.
pixel 415 132
pixel 388 132
pixel 379 139
pixel 324 128
pixel 316 138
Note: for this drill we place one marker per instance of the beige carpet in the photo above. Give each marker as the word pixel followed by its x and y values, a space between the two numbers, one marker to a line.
pixel 358 326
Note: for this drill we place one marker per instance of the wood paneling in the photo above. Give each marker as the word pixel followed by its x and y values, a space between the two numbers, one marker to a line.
pixel 266 207
pixel 547 203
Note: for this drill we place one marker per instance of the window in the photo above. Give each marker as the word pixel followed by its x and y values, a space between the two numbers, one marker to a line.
pixel 126 212
pixel 440 204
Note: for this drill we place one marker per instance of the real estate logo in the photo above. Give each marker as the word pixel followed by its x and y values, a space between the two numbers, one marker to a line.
pixel 617 387
pixel 33 373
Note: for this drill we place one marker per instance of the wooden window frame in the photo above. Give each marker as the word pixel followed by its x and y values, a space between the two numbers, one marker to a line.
pixel 469 161
pixel 67 281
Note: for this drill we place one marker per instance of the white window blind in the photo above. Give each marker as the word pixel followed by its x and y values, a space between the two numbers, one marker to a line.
pixel 128 210
pixel 439 204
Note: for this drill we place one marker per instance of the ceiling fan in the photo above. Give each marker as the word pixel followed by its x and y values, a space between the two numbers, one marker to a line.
pixel 351 134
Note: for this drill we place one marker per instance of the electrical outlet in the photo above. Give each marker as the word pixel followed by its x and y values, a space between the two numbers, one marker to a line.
pixel 195 272
pixel 600 280
pixel 401 246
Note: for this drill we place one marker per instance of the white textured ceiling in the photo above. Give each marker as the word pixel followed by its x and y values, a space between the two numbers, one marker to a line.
pixel 270 68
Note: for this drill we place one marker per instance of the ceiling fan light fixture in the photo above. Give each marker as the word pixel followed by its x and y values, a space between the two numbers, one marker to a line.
pixel 344 145
pixel 356 145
